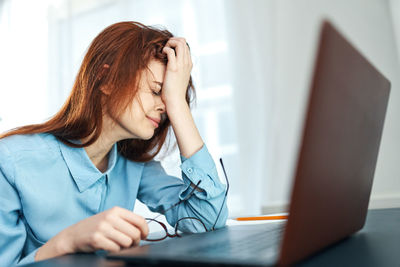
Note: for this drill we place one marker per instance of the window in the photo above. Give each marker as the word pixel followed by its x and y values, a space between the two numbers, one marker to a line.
pixel 60 33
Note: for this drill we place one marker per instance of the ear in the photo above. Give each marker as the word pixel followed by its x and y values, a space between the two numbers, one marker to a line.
pixel 103 71
pixel 104 88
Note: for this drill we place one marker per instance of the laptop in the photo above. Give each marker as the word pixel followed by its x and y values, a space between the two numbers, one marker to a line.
pixel 333 178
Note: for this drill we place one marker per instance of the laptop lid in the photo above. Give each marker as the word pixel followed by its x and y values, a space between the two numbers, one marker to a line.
pixel 339 149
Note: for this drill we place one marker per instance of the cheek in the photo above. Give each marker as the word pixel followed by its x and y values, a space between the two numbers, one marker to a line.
pixel 136 108
pixel 130 114
pixel 147 102
pixel 139 108
pixel 136 114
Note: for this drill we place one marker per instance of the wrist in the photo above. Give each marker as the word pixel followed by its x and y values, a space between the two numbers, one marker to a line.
pixel 63 243
pixel 56 246
pixel 171 101
pixel 176 107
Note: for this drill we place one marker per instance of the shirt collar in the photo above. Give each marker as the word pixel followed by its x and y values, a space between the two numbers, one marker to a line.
pixel 82 169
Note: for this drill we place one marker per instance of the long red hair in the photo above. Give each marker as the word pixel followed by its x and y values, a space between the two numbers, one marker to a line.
pixel 127 47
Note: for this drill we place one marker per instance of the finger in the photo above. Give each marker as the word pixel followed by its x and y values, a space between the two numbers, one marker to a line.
pixel 171 57
pixel 186 50
pixel 186 57
pixel 188 53
pixel 118 237
pixel 138 221
pixel 101 242
pixel 179 44
pixel 128 229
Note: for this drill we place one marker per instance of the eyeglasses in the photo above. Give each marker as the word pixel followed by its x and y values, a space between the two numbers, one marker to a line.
pixel 182 223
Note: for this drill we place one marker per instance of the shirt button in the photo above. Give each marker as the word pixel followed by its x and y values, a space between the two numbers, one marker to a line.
pixel 190 170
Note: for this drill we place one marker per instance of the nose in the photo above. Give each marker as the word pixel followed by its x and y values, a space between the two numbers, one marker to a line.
pixel 160 106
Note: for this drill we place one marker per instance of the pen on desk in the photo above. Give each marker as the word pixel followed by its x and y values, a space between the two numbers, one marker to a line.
pixel 259 218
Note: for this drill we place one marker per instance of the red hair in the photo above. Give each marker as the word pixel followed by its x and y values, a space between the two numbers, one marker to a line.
pixel 128 48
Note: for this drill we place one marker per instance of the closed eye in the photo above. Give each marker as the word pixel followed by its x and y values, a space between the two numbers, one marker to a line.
pixel 156 93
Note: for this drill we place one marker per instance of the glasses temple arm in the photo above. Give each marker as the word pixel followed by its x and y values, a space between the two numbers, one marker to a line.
pixel 182 200
pixel 226 193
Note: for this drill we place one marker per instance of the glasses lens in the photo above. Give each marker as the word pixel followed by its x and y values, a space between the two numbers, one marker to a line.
pixel 157 230
pixel 190 225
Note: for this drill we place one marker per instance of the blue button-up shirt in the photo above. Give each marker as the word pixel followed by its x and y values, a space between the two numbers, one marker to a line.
pixel 46 186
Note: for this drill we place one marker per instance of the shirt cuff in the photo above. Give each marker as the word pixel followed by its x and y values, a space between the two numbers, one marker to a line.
pixel 201 167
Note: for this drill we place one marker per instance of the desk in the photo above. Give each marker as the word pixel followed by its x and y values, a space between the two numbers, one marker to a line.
pixel 377 244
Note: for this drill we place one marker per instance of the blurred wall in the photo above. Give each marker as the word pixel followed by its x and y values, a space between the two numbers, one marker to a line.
pixel 368 25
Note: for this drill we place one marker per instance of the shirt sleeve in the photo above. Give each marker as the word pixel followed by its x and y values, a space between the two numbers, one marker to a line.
pixel 159 191
pixel 12 228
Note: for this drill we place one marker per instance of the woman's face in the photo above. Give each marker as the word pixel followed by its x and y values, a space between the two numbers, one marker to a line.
pixel 143 115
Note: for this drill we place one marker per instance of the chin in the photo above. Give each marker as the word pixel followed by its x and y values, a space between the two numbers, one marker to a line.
pixel 147 136
pixel 141 134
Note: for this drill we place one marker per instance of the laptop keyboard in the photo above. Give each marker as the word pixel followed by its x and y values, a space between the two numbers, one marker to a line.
pixel 248 244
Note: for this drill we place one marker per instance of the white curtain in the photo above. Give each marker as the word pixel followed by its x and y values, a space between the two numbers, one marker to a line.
pixel 23 62
pixel 251 31
pixel 252 65
pixel 371 26
pixel 66 28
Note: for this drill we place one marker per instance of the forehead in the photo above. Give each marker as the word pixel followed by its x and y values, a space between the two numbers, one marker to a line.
pixel 155 71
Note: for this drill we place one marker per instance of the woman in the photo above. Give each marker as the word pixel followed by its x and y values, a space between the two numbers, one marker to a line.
pixel 70 184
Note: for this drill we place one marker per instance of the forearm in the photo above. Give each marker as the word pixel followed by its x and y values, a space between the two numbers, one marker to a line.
pixel 186 133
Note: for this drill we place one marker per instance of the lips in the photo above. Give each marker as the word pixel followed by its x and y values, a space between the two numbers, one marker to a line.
pixel 155 121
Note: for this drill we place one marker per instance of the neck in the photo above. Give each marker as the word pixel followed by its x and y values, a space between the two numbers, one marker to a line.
pixel 98 151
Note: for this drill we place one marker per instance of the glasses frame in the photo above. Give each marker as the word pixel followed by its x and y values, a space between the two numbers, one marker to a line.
pixel 167 234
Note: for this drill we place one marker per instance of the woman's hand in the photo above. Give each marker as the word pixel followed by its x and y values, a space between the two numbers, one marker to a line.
pixel 173 94
pixel 177 73
pixel 110 230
